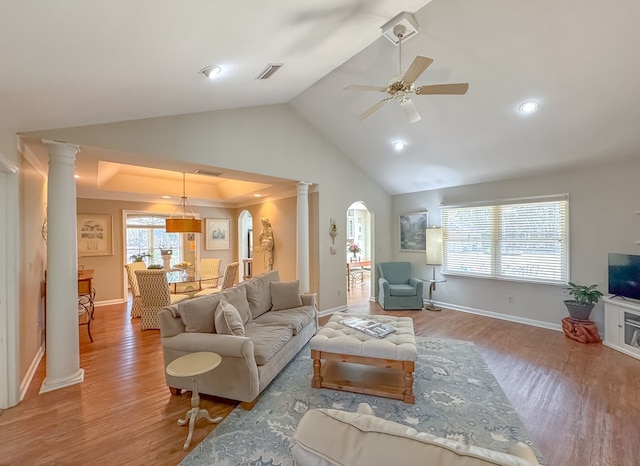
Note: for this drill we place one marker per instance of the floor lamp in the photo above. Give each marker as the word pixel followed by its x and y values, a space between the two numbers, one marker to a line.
pixel 434 258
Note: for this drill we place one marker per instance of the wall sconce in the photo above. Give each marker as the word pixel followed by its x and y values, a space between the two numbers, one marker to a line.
pixel 333 230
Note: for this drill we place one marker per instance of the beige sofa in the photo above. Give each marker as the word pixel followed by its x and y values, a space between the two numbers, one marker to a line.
pixel 328 437
pixel 272 323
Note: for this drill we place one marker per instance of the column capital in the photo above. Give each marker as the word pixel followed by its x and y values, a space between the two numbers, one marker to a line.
pixel 303 187
pixel 61 148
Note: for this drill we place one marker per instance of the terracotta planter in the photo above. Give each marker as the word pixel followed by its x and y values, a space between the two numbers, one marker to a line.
pixel 578 311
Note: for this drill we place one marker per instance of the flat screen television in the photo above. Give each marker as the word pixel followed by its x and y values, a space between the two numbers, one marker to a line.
pixel 624 275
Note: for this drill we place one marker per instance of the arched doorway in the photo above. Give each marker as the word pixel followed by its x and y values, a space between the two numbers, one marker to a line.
pixel 245 244
pixel 359 254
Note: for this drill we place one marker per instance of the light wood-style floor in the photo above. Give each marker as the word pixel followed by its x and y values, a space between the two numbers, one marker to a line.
pixel 581 403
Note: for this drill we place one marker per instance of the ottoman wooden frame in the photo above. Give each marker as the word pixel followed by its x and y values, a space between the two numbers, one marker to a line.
pixel 379 376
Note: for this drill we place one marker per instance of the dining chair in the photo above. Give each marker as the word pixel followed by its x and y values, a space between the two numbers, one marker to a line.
pixel 155 295
pixel 136 306
pixel 230 273
pixel 209 272
pixel 86 308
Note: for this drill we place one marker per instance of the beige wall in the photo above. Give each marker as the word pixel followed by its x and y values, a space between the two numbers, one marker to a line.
pixel 283 218
pixel 603 205
pixel 33 258
pixel 271 140
pixel 109 272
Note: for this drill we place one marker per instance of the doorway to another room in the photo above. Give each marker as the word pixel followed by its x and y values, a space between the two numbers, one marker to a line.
pixel 358 255
pixel 245 244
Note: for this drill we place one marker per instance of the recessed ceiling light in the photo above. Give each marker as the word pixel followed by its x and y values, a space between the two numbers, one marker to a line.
pixel 399 145
pixel 166 197
pixel 528 107
pixel 211 72
pixel 76 176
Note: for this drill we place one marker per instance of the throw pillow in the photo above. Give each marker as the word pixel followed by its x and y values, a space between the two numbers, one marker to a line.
pixel 197 314
pixel 228 320
pixel 285 295
pixel 237 295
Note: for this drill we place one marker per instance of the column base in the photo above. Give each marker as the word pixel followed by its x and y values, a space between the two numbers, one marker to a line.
pixel 49 385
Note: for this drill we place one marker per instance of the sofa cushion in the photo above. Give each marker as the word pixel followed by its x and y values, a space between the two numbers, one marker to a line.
pixel 329 437
pixel 197 314
pixel 237 295
pixel 228 320
pixel 259 292
pixel 297 318
pixel 267 340
pixel 285 295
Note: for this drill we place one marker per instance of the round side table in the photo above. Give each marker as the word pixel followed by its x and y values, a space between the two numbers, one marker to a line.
pixel 192 365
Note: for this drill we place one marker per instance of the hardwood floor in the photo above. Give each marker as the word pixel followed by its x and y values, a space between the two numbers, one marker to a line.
pixel 581 403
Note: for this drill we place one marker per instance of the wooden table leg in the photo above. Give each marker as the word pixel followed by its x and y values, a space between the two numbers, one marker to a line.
pixel 317 368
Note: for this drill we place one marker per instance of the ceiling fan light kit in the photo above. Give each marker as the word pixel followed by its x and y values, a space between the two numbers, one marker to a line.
pixel 400 88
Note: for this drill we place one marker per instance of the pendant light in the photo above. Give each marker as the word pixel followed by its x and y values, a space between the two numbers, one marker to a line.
pixel 184 224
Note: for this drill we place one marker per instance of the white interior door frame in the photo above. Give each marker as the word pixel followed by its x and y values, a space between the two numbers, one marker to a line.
pixel 9 310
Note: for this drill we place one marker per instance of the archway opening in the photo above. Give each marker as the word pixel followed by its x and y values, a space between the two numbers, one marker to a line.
pixel 245 244
pixel 359 252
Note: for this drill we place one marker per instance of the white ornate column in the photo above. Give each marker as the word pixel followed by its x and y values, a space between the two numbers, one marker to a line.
pixel 302 235
pixel 62 346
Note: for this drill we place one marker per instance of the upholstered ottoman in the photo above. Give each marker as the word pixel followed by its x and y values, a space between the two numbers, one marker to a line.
pixel 357 362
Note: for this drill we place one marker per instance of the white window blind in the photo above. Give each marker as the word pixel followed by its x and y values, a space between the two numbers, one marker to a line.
pixel 516 240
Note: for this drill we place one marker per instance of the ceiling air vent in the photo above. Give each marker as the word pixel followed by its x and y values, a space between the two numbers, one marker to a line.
pixel 269 70
pixel 208 173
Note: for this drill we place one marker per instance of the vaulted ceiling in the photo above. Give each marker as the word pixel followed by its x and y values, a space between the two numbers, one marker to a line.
pixel 69 63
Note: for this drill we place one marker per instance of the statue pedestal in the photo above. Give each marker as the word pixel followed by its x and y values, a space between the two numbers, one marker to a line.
pixel 584 331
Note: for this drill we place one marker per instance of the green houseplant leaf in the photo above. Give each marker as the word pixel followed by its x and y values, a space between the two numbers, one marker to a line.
pixel 583 294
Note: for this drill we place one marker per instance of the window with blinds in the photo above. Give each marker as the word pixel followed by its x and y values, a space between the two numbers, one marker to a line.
pixel 515 240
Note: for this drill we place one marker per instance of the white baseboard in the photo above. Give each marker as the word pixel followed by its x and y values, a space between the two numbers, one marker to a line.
pixel 110 302
pixel 31 372
pixel 327 312
pixel 498 315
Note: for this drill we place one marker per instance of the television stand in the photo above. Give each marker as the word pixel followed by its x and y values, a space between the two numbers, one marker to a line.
pixel 622 325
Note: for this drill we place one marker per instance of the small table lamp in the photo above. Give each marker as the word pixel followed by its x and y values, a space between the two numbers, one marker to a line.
pixel 434 257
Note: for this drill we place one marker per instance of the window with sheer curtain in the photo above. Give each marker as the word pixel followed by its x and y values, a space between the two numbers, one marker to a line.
pixel 523 240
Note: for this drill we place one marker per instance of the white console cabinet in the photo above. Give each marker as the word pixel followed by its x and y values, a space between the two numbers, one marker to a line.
pixel 622 325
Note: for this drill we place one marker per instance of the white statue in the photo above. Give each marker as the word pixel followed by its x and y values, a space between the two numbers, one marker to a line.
pixel 266 242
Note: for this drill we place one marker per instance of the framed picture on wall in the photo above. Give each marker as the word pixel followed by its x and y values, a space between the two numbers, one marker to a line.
pixel 413 228
pixel 95 235
pixel 217 231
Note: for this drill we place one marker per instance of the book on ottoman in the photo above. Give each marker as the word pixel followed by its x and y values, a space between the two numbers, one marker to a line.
pixel 368 326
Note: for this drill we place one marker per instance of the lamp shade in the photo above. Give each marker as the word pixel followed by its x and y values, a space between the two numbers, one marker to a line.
pixel 434 246
pixel 183 225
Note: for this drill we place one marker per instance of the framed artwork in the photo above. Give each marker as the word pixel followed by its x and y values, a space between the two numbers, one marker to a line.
pixel 217 231
pixel 413 231
pixel 95 235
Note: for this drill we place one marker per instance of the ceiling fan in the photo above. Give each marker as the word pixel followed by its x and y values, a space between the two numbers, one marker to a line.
pixel 401 87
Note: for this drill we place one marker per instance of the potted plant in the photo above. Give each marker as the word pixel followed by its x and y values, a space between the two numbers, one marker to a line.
pixel 140 257
pixel 585 297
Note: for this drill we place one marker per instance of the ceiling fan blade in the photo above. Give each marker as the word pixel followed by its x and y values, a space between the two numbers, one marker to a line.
pixel 359 87
pixel 410 110
pixel 459 88
pixel 377 106
pixel 416 69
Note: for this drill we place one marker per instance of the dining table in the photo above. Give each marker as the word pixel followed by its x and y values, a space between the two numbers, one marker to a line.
pixel 356 265
pixel 187 281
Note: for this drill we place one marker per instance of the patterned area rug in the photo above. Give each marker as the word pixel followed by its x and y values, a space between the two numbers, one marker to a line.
pixel 456 397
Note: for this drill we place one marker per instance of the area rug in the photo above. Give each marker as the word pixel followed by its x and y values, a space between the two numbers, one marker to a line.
pixel 457 397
